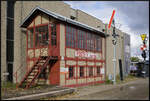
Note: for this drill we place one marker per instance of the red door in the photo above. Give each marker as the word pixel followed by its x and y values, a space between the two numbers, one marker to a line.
pixel 54 51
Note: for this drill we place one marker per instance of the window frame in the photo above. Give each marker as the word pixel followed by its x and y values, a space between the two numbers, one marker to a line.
pixel 91 72
pixel 78 38
pixel 34 36
pixel 73 72
pixel 83 75
pixel 98 74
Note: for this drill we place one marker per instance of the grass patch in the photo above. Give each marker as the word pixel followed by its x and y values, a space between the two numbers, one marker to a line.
pixel 108 81
pixel 125 79
pixel 8 85
pixel 118 81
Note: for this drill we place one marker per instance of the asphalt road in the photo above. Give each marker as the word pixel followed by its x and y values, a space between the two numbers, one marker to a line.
pixel 138 90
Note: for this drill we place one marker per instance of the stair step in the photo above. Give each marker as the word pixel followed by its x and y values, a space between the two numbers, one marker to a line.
pixel 41 63
pixel 38 65
pixel 28 80
pixel 35 70
pixel 30 77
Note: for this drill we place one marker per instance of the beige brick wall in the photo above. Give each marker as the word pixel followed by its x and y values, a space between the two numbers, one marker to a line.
pixel 62 40
pixel 3 38
pixel 24 8
pixel 89 20
pixel 110 51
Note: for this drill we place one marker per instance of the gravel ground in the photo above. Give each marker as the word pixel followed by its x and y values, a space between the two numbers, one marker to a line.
pixel 13 92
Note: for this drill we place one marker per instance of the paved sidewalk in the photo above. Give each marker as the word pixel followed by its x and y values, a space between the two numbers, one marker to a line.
pixel 83 91
pixel 59 91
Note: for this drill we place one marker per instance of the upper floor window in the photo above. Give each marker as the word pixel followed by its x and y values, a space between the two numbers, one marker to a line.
pixel 41 36
pixel 71 36
pixel 78 38
pixel 53 35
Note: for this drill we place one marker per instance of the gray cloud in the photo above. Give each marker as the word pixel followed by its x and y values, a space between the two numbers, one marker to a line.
pixel 137 13
pixel 137 18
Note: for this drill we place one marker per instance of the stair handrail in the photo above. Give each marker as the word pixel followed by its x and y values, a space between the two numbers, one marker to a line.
pixel 30 68
pixel 16 72
pixel 40 69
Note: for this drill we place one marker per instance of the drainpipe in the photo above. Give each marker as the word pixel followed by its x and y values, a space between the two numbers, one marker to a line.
pixel 10 39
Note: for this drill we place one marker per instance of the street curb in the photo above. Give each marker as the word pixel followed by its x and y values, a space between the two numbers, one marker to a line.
pixel 43 95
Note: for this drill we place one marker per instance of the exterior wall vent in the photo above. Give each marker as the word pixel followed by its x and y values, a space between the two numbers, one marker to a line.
pixel 72 14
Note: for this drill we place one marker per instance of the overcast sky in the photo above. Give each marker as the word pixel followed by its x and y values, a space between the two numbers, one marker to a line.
pixel 131 17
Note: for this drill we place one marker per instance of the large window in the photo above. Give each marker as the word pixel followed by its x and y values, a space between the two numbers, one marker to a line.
pixel 88 41
pixel 71 72
pixel 70 36
pixel 41 36
pixel 78 38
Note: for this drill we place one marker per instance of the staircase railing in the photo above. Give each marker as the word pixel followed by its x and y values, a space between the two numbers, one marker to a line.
pixel 20 69
pixel 39 71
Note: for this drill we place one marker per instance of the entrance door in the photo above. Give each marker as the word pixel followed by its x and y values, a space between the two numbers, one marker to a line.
pixel 53 46
pixel 54 51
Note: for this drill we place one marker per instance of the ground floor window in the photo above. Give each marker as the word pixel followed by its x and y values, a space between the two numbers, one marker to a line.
pixel 81 71
pixel 71 72
pixel 98 71
pixel 90 71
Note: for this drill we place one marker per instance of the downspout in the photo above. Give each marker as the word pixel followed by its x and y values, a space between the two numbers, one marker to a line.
pixel 10 39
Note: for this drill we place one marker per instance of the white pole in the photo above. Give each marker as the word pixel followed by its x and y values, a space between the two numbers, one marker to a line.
pixel 114 60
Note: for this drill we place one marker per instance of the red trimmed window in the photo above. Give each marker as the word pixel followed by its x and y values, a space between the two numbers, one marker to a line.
pixel 41 36
pixel 78 38
pixel 53 35
pixel 81 71
pixel 71 36
pixel 71 72
pixel 98 71
pixel 90 71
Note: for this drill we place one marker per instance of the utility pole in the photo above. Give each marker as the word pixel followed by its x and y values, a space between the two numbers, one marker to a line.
pixel 114 41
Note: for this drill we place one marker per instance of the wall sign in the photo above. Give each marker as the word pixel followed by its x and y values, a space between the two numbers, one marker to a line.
pixel 102 71
pixel 85 54
pixel 63 70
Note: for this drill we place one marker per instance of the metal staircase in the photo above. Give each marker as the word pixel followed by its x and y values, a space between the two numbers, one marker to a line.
pixel 33 74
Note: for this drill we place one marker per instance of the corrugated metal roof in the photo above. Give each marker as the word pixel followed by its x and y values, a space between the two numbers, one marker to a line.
pixel 37 9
